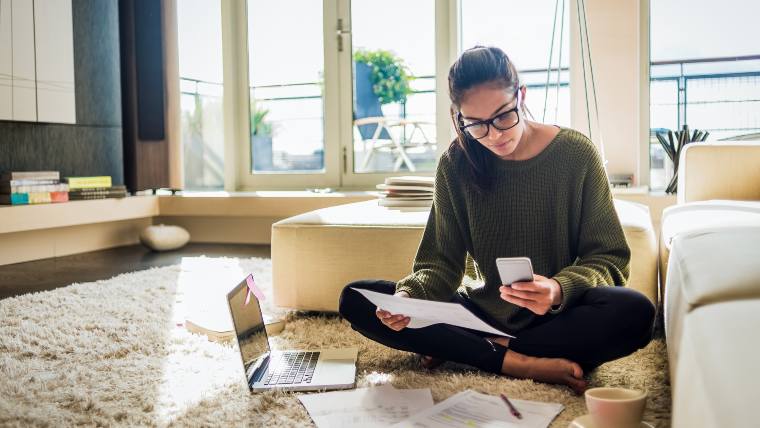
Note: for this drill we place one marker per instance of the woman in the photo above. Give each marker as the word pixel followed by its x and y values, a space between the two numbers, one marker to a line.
pixel 510 187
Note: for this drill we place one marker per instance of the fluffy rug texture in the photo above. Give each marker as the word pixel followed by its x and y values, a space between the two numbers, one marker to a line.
pixel 111 353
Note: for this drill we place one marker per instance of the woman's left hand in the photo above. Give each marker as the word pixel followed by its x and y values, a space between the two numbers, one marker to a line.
pixel 538 295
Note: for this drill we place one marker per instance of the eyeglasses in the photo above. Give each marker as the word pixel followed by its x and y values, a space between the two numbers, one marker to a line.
pixel 502 121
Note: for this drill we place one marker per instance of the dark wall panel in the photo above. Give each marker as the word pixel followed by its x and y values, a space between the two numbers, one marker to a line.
pixel 94 145
pixel 73 150
pixel 149 59
pixel 96 51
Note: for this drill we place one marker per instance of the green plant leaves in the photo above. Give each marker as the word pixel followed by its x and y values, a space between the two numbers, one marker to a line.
pixel 390 77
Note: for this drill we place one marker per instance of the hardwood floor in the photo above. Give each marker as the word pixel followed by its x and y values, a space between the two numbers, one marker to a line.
pixel 57 272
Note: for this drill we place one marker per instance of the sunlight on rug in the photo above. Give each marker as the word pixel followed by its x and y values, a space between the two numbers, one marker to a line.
pixel 111 353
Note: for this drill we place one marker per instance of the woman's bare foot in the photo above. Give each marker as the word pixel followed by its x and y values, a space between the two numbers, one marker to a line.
pixel 429 362
pixel 549 370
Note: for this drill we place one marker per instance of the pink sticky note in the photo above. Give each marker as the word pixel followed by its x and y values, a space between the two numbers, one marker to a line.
pixel 252 289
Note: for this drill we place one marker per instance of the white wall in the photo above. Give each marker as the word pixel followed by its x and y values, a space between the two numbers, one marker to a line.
pixel 619 39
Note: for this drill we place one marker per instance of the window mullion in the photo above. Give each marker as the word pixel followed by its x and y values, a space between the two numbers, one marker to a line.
pixel 235 64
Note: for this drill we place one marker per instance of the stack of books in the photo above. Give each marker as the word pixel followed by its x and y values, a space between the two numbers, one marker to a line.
pixel 407 191
pixel 32 187
pixel 81 188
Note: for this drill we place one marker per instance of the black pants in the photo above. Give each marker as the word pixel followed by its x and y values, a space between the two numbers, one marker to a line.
pixel 606 323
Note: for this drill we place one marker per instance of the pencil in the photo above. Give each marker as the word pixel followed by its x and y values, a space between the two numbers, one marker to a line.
pixel 512 409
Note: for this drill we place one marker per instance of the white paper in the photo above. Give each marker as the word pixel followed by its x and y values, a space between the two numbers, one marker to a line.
pixel 379 406
pixel 471 409
pixel 427 312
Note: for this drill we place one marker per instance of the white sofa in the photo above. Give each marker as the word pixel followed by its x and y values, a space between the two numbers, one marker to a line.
pixel 710 268
pixel 314 255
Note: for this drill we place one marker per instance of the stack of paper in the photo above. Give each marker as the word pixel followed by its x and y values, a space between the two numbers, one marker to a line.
pixel 470 409
pixel 380 406
pixel 407 191
pixel 385 406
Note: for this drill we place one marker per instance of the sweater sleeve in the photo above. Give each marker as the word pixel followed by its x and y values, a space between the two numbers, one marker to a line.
pixel 439 264
pixel 603 255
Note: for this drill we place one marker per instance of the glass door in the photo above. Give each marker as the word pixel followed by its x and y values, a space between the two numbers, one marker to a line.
pixel 289 140
pixel 388 94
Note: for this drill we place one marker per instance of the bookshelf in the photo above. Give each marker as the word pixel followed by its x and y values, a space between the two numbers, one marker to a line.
pixel 22 218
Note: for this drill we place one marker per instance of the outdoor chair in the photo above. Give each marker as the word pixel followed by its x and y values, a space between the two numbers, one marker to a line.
pixel 380 133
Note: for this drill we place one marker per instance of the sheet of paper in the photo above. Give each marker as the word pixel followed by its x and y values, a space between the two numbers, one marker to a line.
pixel 379 406
pixel 427 312
pixel 471 409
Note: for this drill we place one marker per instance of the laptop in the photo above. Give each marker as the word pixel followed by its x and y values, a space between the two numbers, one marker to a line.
pixel 294 370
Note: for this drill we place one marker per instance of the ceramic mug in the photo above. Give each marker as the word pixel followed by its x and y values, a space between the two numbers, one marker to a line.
pixel 616 407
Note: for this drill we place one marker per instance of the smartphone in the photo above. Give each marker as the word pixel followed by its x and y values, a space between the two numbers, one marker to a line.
pixel 514 269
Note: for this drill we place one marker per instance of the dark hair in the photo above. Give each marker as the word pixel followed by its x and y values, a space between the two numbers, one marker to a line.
pixel 476 66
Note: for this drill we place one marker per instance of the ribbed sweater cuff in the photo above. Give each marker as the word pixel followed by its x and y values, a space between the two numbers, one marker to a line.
pixel 411 286
pixel 571 290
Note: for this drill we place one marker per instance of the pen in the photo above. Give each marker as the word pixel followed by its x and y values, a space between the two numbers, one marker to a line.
pixel 512 409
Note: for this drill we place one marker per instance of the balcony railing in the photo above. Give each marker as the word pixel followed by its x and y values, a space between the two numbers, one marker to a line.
pixel 720 95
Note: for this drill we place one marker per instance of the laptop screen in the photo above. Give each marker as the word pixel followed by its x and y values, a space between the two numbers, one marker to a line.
pixel 250 330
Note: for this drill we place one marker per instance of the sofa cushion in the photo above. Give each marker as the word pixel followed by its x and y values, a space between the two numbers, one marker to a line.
pixel 703 215
pixel 715 381
pixel 703 174
pixel 639 233
pixel 706 267
pixel 314 255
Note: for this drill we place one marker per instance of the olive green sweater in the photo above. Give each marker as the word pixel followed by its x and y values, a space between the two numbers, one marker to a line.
pixel 555 208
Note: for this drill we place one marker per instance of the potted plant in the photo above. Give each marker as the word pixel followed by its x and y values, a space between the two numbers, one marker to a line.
pixel 390 77
pixel 261 139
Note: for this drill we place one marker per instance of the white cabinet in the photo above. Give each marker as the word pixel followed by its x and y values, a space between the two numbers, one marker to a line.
pixel 37 61
pixel 6 61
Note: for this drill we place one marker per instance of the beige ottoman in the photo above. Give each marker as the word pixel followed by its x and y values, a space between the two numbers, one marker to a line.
pixel 314 255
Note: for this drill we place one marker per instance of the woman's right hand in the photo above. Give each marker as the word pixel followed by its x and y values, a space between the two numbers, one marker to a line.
pixel 395 322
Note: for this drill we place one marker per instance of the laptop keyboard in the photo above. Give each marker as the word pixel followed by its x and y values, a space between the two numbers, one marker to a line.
pixel 292 368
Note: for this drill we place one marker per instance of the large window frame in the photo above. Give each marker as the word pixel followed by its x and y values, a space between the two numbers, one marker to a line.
pixel 338 124
pixel 338 115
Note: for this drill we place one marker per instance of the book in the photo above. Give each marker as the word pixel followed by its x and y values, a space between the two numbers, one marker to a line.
pixel 15 199
pixel 93 196
pixel 32 198
pixel 59 197
pixel 114 188
pixel 88 182
pixel 7 188
pixel 404 203
pixel 411 180
pixel 98 193
pixel 407 191
pixel 30 175
pixel 409 197
pixel 404 187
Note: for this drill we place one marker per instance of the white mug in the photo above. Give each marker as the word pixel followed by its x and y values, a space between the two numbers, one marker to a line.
pixel 616 407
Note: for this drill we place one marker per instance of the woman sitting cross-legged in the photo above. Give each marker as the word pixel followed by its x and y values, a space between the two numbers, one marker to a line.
pixel 510 187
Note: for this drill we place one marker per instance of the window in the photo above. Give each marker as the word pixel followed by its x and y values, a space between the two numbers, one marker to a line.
pixel 708 80
pixel 286 65
pixel 393 67
pixel 523 29
pixel 200 69
pixel 342 93
pixel 323 109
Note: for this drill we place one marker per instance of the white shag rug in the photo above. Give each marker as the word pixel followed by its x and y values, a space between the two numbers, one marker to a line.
pixel 110 353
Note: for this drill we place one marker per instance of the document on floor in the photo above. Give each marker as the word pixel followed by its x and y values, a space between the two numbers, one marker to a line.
pixel 427 312
pixel 471 409
pixel 378 406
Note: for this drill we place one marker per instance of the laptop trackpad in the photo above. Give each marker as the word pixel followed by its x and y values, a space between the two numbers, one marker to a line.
pixel 337 370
